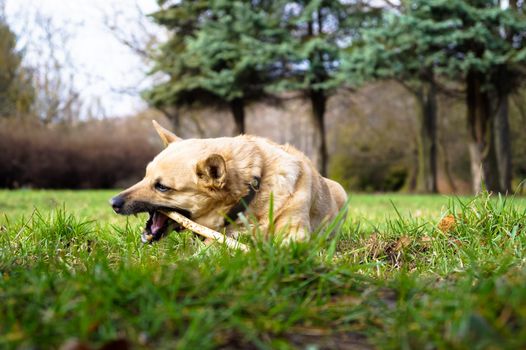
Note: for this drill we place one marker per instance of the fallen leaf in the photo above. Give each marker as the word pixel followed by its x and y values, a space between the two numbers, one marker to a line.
pixel 447 224
pixel 401 243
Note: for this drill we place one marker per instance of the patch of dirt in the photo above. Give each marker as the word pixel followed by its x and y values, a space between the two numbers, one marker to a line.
pixel 302 338
pixel 349 340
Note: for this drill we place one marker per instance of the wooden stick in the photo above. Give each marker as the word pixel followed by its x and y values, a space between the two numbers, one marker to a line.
pixel 204 231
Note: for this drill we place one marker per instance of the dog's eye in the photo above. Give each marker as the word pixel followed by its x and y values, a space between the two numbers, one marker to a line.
pixel 160 187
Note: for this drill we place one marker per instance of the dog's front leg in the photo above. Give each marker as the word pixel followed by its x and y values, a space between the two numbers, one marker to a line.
pixel 292 220
pixel 292 229
pixel 296 234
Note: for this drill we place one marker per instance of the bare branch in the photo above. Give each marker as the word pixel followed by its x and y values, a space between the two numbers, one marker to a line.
pixel 142 39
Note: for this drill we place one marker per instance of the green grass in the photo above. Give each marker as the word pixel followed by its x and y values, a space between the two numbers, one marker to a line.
pixel 392 278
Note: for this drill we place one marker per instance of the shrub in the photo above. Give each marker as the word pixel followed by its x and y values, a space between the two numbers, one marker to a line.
pixel 94 154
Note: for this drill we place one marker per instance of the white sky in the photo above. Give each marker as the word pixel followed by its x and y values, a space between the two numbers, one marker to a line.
pixel 102 66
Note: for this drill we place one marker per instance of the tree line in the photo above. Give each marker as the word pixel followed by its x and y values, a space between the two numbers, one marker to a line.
pixel 233 53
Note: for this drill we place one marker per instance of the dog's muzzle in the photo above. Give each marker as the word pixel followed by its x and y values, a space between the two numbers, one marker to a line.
pixel 158 225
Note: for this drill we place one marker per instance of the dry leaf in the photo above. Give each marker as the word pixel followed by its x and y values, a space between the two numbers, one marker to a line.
pixel 401 243
pixel 447 224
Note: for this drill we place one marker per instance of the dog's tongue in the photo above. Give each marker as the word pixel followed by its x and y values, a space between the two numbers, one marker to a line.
pixel 158 221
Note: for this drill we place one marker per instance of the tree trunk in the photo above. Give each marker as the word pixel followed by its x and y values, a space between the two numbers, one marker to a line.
pixel 413 174
pixel 175 117
pixel 319 104
pixel 237 107
pixel 477 175
pixel 427 143
pixel 172 113
pixel 446 165
pixel 484 166
pixel 176 120
pixel 501 128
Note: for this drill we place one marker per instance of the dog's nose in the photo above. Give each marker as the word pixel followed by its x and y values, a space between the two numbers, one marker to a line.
pixel 117 203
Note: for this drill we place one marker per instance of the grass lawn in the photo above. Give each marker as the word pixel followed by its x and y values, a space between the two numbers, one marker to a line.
pixel 411 272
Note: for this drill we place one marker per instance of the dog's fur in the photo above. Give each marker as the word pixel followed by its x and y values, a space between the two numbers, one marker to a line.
pixel 207 177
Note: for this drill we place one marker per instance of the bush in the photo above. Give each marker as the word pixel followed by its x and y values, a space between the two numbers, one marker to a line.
pixel 94 154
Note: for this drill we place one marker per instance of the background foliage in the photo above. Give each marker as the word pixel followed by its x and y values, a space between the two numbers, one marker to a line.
pixel 419 96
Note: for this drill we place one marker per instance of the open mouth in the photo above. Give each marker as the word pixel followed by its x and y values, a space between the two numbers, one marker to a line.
pixel 159 225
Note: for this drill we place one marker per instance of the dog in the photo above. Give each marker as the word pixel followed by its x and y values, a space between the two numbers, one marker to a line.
pixel 220 182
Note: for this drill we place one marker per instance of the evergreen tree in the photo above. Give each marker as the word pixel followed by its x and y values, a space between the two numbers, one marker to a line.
pixel 220 53
pixel 317 31
pixel 476 42
pixel 391 51
pixel 181 20
pixel 507 81
pixel 490 53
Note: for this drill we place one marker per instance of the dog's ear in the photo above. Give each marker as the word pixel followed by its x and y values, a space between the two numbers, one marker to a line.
pixel 166 136
pixel 211 172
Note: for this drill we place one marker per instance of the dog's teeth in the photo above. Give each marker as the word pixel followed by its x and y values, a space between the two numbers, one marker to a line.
pixel 146 238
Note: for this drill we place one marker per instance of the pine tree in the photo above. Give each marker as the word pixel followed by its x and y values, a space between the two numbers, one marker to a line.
pixel 181 20
pixel 390 51
pixel 318 30
pixel 460 40
pixel 220 53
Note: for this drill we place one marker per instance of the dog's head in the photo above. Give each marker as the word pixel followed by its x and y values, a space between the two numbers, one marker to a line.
pixel 187 177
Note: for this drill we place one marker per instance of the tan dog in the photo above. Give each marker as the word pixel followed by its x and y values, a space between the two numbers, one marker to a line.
pixel 213 181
